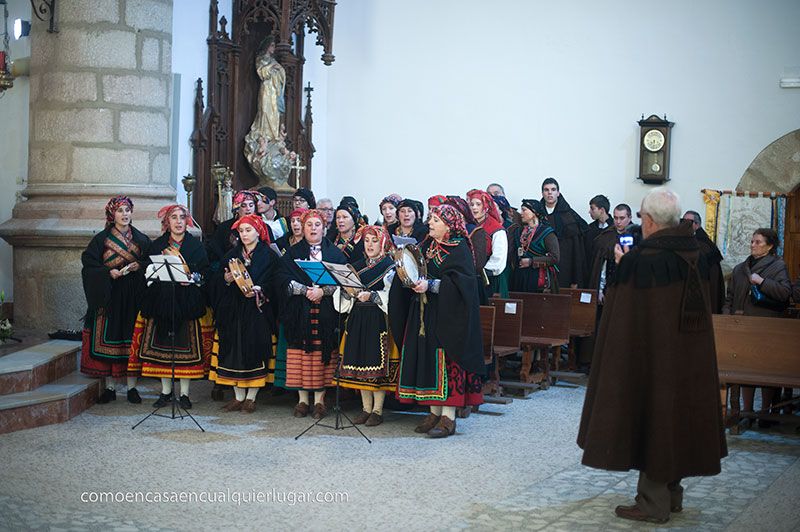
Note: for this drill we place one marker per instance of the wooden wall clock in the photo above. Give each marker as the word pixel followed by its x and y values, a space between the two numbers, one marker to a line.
pixel 654 144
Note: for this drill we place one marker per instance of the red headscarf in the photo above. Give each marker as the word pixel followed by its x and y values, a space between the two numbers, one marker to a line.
pixel 113 204
pixel 493 222
pixel 241 196
pixel 257 223
pixel 312 213
pixel 377 231
pixel 165 213
pixel 297 213
pixel 433 201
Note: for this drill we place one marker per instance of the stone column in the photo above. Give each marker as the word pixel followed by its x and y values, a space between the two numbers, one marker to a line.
pixel 99 126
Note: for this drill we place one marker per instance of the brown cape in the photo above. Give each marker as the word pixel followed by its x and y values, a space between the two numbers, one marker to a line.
pixel 652 402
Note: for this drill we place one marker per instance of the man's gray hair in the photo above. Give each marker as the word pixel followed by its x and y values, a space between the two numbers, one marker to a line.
pixel 325 200
pixel 663 206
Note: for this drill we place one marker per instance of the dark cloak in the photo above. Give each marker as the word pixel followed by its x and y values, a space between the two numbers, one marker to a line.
pixel 652 401
pixel 570 229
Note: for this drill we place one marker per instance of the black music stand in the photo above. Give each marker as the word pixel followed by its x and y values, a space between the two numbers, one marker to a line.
pixel 169 269
pixel 327 274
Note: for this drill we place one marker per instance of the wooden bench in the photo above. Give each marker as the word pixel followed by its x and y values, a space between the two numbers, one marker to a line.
pixel 507 334
pixel 756 351
pixel 582 323
pixel 545 324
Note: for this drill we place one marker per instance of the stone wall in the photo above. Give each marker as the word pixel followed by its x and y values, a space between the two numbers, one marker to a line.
pixel 99 126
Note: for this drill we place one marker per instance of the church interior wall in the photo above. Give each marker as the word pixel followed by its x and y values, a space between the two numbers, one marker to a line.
pixel 14 143
pixel 438 97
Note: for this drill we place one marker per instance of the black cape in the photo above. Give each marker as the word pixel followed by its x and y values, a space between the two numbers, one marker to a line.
pixel 570 229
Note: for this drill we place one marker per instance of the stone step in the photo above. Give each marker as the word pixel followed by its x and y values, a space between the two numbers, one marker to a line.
pixel 56 402
pixel 30 368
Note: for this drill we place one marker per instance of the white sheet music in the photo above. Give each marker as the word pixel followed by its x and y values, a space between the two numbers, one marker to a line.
pixel 163 266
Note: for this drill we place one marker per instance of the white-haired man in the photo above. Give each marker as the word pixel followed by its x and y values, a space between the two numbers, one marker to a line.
pixel 652 402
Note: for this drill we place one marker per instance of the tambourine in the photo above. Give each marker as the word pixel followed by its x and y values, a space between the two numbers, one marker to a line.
pixel 172 251
pixel 410 265
pixel 241 276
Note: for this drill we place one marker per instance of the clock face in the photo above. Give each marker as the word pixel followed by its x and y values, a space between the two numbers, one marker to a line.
pixel 653 140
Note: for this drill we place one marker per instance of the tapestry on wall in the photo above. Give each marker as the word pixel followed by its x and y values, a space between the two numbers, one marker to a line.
pixel 731 220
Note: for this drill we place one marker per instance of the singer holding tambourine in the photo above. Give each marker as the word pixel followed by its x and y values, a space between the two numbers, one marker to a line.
pixel 243 316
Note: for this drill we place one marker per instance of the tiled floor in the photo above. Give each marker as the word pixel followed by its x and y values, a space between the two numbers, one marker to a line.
pixel 515 467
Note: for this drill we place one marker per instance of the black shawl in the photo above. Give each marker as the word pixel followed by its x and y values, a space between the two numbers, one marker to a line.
pixel 296 310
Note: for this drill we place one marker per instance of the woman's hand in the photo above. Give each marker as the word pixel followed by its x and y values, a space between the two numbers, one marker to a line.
pixel 525 263
pixel 421 287
pixel 756 279
pixel 115 273
pixel 134 267
pixel 314 294
pixel 364 296
pixel 228 276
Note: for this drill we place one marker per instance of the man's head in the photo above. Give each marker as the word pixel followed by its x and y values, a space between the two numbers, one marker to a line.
pixel 599 207
pixel 660 210
pixel 326 206
pixel 496 189
pixel 694 216
pixel 550 191
pixel 622 217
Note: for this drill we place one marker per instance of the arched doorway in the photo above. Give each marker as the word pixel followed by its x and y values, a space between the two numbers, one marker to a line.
pixel 777 169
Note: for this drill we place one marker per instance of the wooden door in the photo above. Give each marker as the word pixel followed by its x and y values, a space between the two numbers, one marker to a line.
pixel 791 244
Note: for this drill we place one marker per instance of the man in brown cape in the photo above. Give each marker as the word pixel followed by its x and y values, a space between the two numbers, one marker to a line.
pixel 652 402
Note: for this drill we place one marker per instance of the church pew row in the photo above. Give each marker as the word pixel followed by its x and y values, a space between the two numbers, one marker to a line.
pixel 756 351
pixel 545 325
pixel 583 323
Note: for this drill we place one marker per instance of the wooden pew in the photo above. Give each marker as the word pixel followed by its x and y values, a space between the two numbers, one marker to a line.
pixel 507 334
pixel 545 324
pixel 583 322
pixel 756 351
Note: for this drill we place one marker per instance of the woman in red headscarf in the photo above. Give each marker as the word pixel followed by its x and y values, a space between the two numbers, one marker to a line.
pixel 295 233
pixel 152 348
pixel 245 323
pixel 113 281
pixel 487 215
pixel 225 237
pixel 310 323
pixel 437 326
pixel 370 359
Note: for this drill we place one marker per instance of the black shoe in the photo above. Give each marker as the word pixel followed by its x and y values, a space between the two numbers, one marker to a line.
pixel 107 396
pixel 185 403
pixel 134 397
pixel 163 400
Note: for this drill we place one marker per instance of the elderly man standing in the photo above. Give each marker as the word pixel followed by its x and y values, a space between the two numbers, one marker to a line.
pixel 652 402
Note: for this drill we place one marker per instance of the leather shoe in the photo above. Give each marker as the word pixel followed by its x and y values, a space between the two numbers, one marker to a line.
pixel 134 397
pixel 444 428
pixel 233 405
pixel 185 403
pixel 107 396
pixel 634 513
pixel 374 420
pixel 361 418
pixel 300 410
pixel 427 424
pixel 319 411
pixel 163 400
pixel 248 406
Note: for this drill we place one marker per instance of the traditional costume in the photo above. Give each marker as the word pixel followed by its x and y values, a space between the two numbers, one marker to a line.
pixel 289 239
pixel 439 331
pixel 225 237
pixel 278 225
pixel 353 250
pixel 370 359
pixel 540 245
pixel 310 329
pixel 245 325
pixel 112 303
pixel 570 229
pixel 419 230
pixel 151 353
pixel 496 243
pixel 653 402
